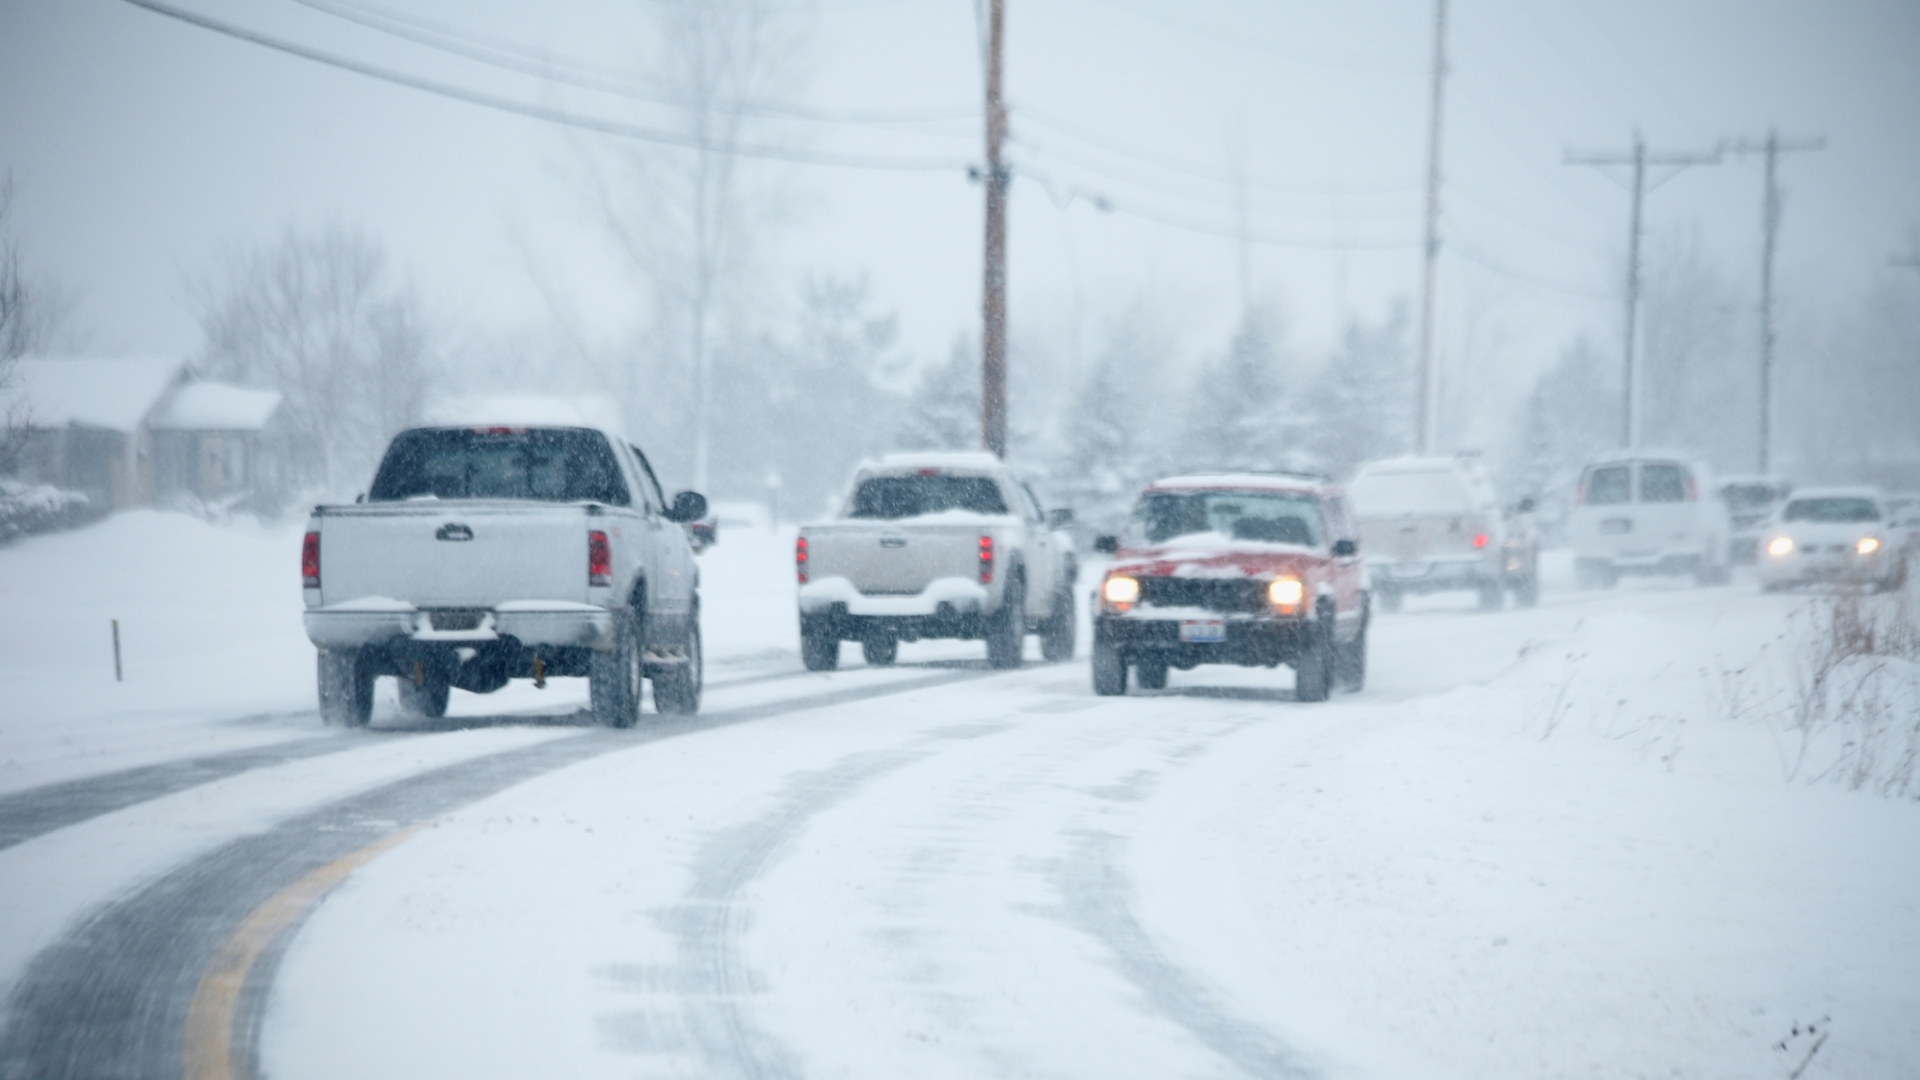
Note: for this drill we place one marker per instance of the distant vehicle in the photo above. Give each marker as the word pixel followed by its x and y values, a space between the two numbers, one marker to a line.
pixel 1750 502
pixel 484 554
pixel 1839 534
pixel 936 545
pixel 1246 569
pixel 1903 518
pixel 1646 514
pixel 1433 524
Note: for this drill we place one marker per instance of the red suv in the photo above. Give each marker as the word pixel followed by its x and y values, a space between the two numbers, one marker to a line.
pixel 1234 569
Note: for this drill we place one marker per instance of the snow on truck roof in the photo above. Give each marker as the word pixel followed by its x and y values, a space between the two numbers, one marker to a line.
pixel 1261 481
pixel 586 411
pixel 976 460
pixel 1855 491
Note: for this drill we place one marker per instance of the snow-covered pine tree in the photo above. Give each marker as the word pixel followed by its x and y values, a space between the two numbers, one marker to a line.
pixel 1235 416
pixel 943 411
pixel 1362 401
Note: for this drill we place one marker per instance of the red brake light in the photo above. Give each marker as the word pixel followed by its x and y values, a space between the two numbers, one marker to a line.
pixel 599 559
pixel 1692 492
pixel 1580 494
pixel 310 561
pixel 1479 540
pixel 800 559
pixel 986 560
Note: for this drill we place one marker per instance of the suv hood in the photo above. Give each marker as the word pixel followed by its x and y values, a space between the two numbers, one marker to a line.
pixel 1197 561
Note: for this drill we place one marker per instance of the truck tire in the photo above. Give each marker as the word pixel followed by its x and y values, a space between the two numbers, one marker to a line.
pixel 1057 636
pixel 1526 590
pixel 819 646
pixel 1150 672
pixel 1350 660
pixel 1491 598
pixel 676 688
pixel 880 649
pixel 1313 667
pixel 346 688
pixel 426 700
pixel 613 677
pixel 1109 670
pixel 1007 632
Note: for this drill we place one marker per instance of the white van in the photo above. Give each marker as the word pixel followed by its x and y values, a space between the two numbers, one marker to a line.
pixel 1647 514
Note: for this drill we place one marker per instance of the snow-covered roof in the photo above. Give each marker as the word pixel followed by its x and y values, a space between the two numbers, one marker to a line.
pixel 585 410
pixel 1258 481
pixel 107 393
pixel 941 459
pixel 212 406
pixel 1854 491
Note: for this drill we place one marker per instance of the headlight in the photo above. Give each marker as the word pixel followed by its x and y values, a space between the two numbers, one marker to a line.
pixel 1120 590
pixel 1780 545
pixel 1867 545
pixel 1285 592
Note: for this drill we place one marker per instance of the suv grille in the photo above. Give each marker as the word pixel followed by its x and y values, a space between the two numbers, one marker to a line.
pixel 455 619
pixel 1213 594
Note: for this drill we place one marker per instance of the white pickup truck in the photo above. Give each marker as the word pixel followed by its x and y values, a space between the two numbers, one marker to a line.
pixel 948 545
pixel 483 554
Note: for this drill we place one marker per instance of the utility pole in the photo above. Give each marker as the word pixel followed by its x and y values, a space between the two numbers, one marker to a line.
pixel 993 329
pixel 1639 159
pixel 1769 232
pixel 1427 417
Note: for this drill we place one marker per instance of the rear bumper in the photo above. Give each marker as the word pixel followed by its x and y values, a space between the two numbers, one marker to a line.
pixel 1251 641
pixel 944 597
pixel 557 624
pixel 1435 575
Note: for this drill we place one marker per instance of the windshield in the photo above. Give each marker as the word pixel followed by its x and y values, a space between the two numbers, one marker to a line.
pixel 1834 510
pixel 1266 517
pixel 1396 494
pixel 548 464
pixel 888 498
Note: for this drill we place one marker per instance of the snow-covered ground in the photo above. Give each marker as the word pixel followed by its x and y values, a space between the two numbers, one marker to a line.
pixel 1581 840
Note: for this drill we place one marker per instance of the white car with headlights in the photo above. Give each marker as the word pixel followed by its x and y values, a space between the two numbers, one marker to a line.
pixel 1831 534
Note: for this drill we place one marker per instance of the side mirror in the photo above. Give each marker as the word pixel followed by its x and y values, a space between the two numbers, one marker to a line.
pixel 1525 506
pixel 360 498
pixel 1059 519
pixel 687 506
pixel 1106 544
pixel 1345 549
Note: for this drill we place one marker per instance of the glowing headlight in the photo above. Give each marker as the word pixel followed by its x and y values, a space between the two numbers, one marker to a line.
pixel 1120 590
pixel 1285 592
pixel 1867 545
pixel 1780 545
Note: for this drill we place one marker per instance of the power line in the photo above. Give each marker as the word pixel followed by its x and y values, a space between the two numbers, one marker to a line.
pixel 554 116
pixel 1173 165
pixel 1481 259
pixel 511 56
pixel 1140 12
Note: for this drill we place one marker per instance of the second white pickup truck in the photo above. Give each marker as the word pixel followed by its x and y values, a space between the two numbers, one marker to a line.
pixel 488 553
pixel 936 545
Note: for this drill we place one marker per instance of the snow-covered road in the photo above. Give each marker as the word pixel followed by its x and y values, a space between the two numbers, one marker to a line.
pixel 1569 841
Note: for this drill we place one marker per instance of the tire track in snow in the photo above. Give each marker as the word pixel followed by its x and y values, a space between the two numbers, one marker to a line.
pixel 111 998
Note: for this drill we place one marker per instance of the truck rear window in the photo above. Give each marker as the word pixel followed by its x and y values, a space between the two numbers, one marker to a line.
pixel 1609 486
pixel 888 498
pixel 547 464
pixel 1396 494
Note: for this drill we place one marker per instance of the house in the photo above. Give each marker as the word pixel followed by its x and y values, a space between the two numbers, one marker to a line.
pixel 144 431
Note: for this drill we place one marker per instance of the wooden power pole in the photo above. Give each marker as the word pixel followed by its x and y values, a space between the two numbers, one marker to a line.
pixel 1769 242
pixel 1639 159
pixel 993 328
pixel 1426 418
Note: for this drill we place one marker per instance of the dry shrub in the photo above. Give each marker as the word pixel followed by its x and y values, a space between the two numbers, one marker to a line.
pixel 1857 703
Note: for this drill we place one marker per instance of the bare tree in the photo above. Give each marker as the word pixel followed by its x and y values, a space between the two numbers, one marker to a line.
pixel 31 310
pixel 322 319
pixel 686 217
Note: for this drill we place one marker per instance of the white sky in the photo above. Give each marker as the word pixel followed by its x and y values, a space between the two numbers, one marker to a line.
pixel 143 148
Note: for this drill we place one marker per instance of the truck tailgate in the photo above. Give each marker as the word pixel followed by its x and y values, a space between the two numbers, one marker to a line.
pixel 1415 537
pixel 882 558
pixel 453 554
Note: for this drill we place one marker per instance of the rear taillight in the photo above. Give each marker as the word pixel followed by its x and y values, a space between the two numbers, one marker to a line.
pixel 1479 540
pixel 1580 494
pixel 986 560
pixel 310 561
pixel 800 559
pixel 1693 493
pixel 599 559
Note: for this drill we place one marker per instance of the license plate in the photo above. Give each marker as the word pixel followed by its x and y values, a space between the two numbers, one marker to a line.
pixel 1203 630
pixel 1616 526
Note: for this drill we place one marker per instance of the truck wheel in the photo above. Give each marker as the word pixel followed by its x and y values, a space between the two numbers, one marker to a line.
pixel 1350 660
pixel 1526 591
pixel 428 699
pixel 346 688
pixel 1390 599
pixel 1491 598
pixel 1007 634
pixel 880 650
pixel 1313 668
pixel 1056 638
pixel 613 677
pixel 1150 673
pixel 1109 670
pixel 819 646
pixel 676 689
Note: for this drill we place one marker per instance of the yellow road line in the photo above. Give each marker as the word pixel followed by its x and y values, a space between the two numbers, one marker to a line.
pixel 206 1051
